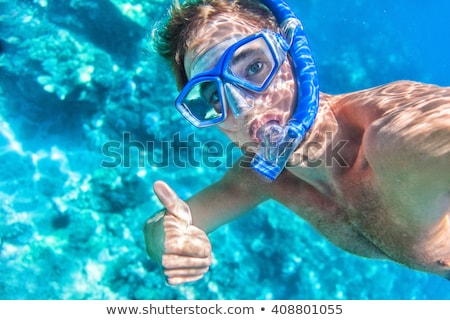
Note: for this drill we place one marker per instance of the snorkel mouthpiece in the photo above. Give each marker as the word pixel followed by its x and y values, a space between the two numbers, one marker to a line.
pixel 278 143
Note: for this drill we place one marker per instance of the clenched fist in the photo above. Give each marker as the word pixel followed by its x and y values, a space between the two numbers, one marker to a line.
pixel 182 249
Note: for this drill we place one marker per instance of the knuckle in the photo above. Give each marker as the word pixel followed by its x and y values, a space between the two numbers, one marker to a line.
pixel 205 252
pixel 170 222
pixel 175 244
pixel 209 248
pixel 184 206
pixel 207 263
pixel 171 236
pixel 170 246
pixel 167 261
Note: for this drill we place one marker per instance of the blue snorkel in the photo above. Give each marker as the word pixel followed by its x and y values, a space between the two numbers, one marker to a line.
pixel 280 142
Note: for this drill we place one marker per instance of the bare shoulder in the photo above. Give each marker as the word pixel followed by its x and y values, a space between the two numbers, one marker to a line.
pixel 413 126
pixel 408 146
pixel 400 119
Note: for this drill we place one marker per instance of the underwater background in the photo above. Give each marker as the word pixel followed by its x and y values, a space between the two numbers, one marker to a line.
pixel 80 84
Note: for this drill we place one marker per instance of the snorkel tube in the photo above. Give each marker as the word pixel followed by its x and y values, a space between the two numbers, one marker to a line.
pixel 280 142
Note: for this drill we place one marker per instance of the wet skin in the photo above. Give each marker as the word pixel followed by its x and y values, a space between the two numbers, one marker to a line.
pixel 385 194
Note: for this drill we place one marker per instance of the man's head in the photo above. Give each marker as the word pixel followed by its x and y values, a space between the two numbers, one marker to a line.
pixel 180 31
pixel 194 39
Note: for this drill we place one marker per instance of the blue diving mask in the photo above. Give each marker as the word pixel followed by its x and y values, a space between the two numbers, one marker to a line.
pixel 250 65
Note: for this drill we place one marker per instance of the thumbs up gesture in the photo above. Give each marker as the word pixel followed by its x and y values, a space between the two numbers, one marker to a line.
pixel 182 249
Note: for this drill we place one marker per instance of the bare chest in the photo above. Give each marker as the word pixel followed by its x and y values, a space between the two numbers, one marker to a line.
pixel 357 216
pixel 383 220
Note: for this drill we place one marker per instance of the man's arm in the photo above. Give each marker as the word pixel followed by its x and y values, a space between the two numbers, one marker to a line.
pixel 175 237
pixel 240 190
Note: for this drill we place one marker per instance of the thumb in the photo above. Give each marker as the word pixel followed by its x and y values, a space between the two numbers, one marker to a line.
pixel 170 200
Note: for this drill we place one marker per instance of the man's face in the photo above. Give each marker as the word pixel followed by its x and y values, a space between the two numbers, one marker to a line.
pixel 276 103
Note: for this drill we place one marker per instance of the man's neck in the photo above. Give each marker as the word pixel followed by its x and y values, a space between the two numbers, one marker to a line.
pixel 310 162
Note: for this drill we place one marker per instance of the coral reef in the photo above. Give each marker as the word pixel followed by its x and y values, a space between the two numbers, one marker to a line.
pixel 79 88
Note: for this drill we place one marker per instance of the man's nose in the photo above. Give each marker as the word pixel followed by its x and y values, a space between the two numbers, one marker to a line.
pixel 239 101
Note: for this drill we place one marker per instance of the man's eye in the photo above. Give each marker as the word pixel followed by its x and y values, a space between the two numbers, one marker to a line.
pixel 210 94
pixel 214 98
pixel 254 68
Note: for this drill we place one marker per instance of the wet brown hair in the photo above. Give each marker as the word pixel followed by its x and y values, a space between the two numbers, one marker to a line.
pixel 171 37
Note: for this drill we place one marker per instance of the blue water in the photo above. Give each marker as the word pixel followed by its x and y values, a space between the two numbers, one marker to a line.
pixel 76 76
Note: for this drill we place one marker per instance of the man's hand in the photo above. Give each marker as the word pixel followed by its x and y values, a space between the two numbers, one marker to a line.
pixel 183 250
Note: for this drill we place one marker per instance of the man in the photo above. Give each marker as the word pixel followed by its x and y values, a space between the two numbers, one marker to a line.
pixel 387 196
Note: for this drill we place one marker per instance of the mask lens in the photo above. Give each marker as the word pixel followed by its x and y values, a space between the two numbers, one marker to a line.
pixel 204 101
pixel 253 63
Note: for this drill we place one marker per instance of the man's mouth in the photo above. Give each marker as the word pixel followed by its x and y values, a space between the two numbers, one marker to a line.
pixel 258 125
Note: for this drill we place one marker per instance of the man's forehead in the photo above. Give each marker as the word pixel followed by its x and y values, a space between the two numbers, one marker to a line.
pixel 227 28
pixel 223 24
pixel 198 63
